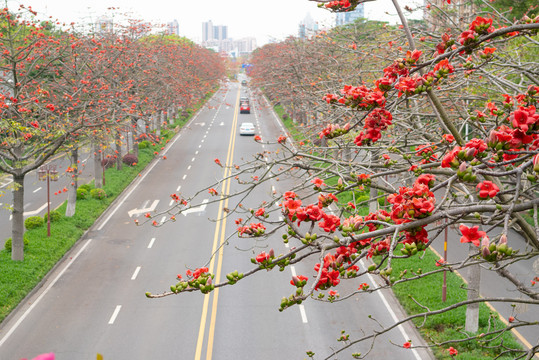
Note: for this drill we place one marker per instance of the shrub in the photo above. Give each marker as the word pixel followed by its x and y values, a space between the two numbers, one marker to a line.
pixel 55 215
pixel 82 194
pixel 98 193
pixel 8 245
pixel 130 159
pixel 33 222
pixel 108 162
pixel 86 187
pixel 143 144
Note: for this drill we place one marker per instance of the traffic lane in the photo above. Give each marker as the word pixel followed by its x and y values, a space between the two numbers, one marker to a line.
pixel 184 245
pixel 259 308
pixel 251 307
pixel 115 239
pixel 168 324
pixel 182 156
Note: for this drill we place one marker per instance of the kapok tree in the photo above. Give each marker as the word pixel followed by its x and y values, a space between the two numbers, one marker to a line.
pixel 34 125
pixel 447 135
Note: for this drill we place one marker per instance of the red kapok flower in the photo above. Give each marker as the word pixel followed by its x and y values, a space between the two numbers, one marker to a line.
pixel 487 189
pixel 452 351
pixel 472 234
pixel 407 345
pixel 318 183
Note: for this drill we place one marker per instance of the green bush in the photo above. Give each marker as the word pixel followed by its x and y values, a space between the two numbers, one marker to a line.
pixel 143 144
pixel 8 244
pixel 33 222
pixel 86 187
pixel 82 194
pixel 55 215
pixel 98 193
pixel 130 159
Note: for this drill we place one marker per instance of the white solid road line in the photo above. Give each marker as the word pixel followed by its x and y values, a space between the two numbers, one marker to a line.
pixel 151 243
pixel 115 314
pixel 300 306
pixel 390 311
pixel 34 304
pixel 135 273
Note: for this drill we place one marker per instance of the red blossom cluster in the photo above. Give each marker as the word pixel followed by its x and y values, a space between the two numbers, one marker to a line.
pixel 254 229
pixel 396 76
pixel 329 272
pixel 334 130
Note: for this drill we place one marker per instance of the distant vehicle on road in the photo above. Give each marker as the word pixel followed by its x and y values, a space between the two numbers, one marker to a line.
pixel 247 128
pixel 244 82
pixel 245 108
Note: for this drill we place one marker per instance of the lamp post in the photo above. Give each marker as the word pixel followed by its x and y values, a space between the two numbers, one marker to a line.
pixel 48 173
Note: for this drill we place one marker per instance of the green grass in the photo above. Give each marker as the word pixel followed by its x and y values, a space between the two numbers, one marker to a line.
pixel 289 123
pixel 428 292
pixel 449 325
pixel 18 278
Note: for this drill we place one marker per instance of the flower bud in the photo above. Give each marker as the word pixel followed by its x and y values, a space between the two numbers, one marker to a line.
pixel 470 152
pixel 503 239
pixel 536 163
pixel 271 253
pixel 463 166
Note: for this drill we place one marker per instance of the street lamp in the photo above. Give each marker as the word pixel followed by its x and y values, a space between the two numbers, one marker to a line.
pixel 48 173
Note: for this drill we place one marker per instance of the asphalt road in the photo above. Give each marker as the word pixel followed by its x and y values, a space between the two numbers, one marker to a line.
pixel 94 302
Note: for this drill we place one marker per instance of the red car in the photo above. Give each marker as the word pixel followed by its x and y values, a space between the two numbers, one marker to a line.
pixel 245 108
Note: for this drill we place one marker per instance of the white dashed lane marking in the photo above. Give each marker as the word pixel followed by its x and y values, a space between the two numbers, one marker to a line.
pixel 135 273
pixel 115 314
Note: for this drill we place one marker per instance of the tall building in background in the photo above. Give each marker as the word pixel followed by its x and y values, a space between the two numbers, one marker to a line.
pixel 307 27
pixel 220 32
pixel 216 37
pixel 344 18
pixel 173 28
pixel 207 31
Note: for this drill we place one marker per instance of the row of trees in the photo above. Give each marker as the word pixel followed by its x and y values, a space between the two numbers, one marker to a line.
pixel 439 126
pixel 60 90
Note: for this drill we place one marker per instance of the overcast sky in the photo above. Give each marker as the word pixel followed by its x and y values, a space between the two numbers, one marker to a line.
pixel 263 19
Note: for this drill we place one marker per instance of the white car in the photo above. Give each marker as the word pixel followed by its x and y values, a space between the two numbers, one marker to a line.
pixel 247 128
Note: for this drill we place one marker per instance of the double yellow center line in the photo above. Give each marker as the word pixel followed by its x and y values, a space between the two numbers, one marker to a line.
pixel 218 240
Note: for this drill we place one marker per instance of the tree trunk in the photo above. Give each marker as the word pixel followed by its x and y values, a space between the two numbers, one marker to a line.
pixel 98 170
pixel 159 118
pixel 119 155
pixel 472 310
pixel 72 194
pixel 17 224
pixel 134 134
